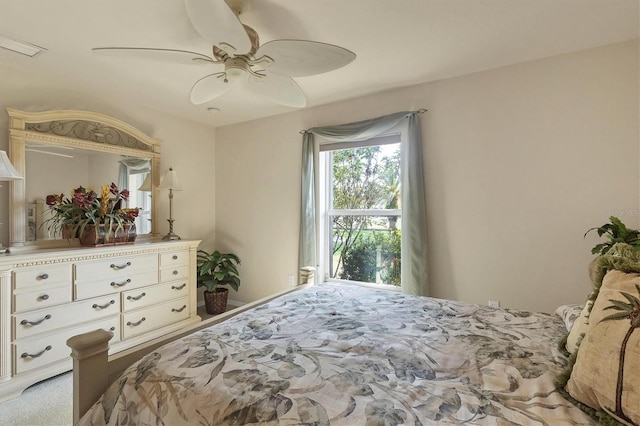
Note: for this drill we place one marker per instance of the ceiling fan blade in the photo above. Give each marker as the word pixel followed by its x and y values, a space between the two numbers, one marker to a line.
pixel 279 89
pixel 165 55
pixel 217 23
pixel 210 87
pixel 299 58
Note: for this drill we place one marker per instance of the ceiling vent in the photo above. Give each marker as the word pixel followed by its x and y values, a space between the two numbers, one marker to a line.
pixel 21 47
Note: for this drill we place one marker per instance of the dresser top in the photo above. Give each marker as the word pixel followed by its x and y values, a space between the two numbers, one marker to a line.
pixel 37 255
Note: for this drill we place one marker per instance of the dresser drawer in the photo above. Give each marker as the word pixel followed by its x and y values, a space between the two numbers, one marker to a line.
pixel 147 296
pixel 175 273
pixel 176 258
pixel 147 319
pixel 116 268
pixel 31 277
pixel 36 352
pixel 103 286
pixel 43 320
pixel 43 297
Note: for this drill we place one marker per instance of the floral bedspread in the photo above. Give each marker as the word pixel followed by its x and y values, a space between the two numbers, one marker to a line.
pixel 348 355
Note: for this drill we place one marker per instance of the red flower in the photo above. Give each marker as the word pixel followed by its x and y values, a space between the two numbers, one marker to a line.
pixel 130 214
pixel 83 198
pixel 54 199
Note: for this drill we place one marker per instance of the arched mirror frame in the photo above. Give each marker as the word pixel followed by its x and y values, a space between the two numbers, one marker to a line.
pixel 99 133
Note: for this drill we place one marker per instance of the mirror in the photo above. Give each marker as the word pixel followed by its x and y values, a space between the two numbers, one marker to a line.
pixel 57 151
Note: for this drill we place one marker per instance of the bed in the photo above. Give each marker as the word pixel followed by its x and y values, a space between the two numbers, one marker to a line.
pixel 345 355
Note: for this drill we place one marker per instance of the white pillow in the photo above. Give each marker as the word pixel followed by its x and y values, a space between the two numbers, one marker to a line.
pixel 578 329
pixel 569 314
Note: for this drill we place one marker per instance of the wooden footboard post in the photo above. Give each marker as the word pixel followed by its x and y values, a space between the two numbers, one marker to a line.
pixel 90 369
pixel 307 275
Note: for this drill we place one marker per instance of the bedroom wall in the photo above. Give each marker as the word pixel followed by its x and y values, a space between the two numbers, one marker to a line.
pixel 186 146
pixel 520 161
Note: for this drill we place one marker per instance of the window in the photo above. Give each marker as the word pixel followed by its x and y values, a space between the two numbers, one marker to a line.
pixel 361 211
pixel 141 199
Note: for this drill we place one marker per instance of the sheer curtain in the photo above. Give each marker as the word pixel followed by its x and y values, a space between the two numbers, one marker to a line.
pixel 414 223
pixel 131 165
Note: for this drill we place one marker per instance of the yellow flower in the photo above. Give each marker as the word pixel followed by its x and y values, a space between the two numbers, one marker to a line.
pixel 104 201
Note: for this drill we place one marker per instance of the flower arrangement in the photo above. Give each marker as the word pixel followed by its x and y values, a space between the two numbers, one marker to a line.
pixel 71 215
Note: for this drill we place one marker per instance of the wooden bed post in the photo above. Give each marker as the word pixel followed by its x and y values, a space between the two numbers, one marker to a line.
pixel 90 369
pixel 93 372
pixel 307 275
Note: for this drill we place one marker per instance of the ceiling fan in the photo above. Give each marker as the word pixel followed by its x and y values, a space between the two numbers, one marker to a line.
pixel 266 68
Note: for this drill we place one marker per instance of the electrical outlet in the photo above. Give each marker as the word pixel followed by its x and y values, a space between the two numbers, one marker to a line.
pixel 290 279
pixel 494 303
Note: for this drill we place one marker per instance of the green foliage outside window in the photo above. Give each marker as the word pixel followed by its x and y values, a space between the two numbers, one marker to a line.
pixel 361 259
pixel 366 178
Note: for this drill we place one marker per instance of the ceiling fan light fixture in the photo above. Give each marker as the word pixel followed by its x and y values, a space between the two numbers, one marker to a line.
pixel 236 68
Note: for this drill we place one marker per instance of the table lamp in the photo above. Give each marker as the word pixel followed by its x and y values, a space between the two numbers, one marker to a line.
pixel 7 173
pixel 170 182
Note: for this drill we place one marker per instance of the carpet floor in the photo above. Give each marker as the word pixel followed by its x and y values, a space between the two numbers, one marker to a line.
pixel 48 403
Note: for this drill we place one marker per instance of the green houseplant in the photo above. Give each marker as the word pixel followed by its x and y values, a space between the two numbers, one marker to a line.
pixel 92 217
pixel 216 269
pixel 615 232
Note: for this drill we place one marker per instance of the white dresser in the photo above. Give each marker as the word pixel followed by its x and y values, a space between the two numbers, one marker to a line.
pixel 139 292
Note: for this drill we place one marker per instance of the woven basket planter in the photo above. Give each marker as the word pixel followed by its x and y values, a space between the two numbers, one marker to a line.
pixel 215 302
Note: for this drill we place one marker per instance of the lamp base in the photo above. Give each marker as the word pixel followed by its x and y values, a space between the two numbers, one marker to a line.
pixel 171 236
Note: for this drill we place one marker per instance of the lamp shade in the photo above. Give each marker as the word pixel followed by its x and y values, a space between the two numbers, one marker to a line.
pixel 170 181
pixel 146 183
pixel 7 171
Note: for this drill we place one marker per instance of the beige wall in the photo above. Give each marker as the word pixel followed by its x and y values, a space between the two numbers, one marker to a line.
pixel 520 161
pixel 187 146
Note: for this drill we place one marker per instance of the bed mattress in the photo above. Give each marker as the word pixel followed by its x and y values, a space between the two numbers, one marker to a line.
pixel 350 355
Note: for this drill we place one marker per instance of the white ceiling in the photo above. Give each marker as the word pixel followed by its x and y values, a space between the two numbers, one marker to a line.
pixel 397 42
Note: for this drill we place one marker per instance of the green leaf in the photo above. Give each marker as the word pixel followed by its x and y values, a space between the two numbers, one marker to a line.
pixel 218 268
pixel 634 301
pixel 618 316
pixel 615 232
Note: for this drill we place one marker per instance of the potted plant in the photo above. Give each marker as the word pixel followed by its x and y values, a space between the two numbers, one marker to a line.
pixel 615 232
pixel 215 270
pixel 94 219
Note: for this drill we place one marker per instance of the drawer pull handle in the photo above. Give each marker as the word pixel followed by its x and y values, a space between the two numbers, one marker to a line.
pixel 43 297
pixel 175 257
pixel 136 297
pixel 106 305
pixel 25 322
pixel 123 283
pixel 118 267
pixel 135 324
pixel 178 310
pixel 26 355
pixel 43 276
pixel 112 329
pixel 175 272
pixel 180 287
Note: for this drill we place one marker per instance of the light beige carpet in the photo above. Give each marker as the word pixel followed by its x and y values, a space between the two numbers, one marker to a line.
pixel 48 403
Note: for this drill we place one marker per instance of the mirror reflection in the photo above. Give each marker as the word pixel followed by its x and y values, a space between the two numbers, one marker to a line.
pixel 57 169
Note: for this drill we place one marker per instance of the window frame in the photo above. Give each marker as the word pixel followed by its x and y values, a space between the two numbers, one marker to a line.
pixel 325 204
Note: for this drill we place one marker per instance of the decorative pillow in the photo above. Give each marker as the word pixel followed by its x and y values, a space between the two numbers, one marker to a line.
pixel 569 314
pixel 606 368
pixel 578 330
